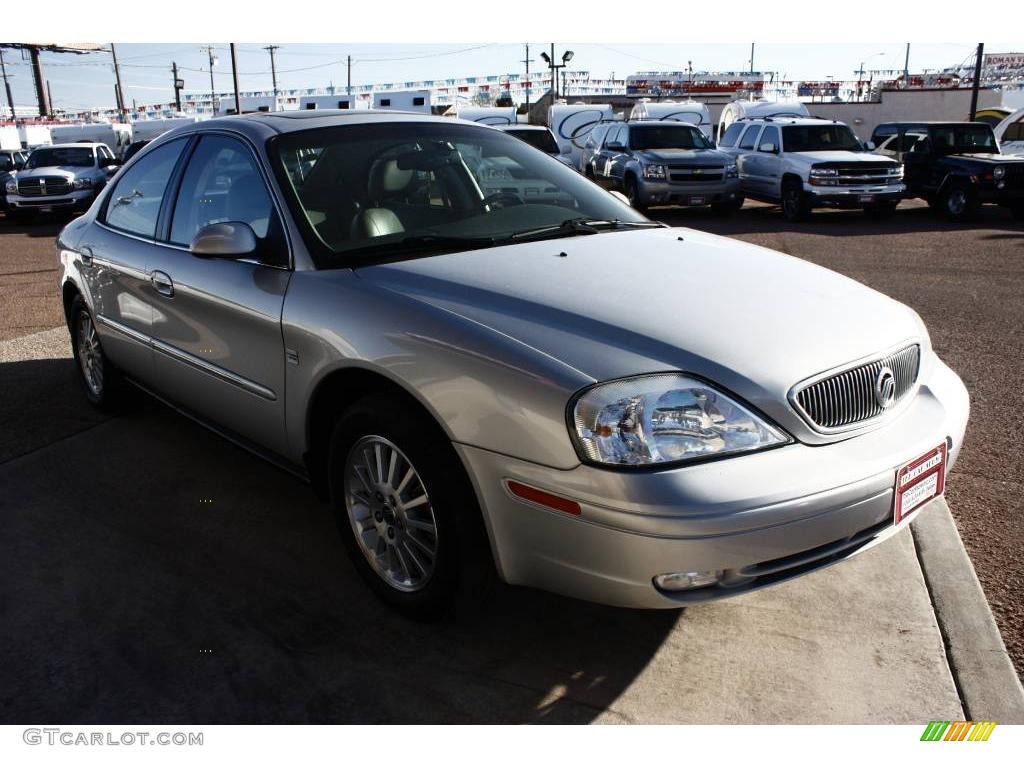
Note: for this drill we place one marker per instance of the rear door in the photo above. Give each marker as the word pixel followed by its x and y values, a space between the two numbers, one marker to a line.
pixel 744 150
pixel 762 167
pixel 117 251
pixel 217 340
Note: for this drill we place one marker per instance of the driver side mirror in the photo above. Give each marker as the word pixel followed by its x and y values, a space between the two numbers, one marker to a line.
pixel 769 147
pixel 228 239
pixel 869 145
pixel 108 162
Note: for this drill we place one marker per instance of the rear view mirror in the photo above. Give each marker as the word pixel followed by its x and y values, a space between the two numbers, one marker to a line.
pixel 229 239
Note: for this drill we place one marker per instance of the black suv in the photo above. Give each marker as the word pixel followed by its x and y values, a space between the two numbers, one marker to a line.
pixel 957 166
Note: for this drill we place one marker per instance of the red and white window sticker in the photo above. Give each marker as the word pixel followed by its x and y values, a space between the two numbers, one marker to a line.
pixel 919 482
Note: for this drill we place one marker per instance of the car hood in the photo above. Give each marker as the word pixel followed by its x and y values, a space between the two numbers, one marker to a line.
pixel 616 304
pixel 708 157
pixel 987 157
pixel 68 171
pixel 840 156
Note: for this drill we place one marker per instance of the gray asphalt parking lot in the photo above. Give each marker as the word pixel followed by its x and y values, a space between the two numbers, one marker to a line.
pixel 118 579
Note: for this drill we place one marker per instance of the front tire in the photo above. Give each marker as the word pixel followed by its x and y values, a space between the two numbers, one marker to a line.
pixel 102 383
pixel 794 202
pixel 633 194
pixel 957 202
pixel 406 510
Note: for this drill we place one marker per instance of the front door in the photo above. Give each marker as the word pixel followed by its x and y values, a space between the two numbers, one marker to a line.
pixel 217 340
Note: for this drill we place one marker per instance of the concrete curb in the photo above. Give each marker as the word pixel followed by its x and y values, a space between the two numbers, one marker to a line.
pixel 984 675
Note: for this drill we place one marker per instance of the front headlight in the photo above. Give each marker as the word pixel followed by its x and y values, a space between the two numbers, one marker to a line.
pixel 82 183
pixel 11 187
pixel 654 171
pixel 732 171
pixel 824 177
pixel 895 173
pixel 998 172
pixel 663 418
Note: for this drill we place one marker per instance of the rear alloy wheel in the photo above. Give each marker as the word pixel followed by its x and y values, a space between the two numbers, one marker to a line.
pixel 102 382
pixel 406 510
pixel 794 203
pixel 957 202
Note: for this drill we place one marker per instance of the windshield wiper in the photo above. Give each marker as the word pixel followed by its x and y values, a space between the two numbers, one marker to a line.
pixel 417 244
pixel 580 226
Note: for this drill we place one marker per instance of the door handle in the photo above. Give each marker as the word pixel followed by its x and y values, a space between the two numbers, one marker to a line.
pixel 86 254
pixel 162 282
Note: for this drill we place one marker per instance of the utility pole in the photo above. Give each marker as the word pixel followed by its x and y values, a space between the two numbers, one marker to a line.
pixel 527 62
pixel 554 76
pixel 177 86
pixel 234 76
pixel 49 95
pixel 348 81
pixel 273 70
pixel 37 73
pixel 906 68
pixel 977 80
pixel 7 85
pixel 751 58
pixel 213 95
pixel 119 93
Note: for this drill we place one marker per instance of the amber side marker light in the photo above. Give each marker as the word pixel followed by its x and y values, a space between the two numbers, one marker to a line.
pixel 545 499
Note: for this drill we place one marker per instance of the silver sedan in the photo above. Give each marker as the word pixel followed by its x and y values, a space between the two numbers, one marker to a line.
pixel 491 367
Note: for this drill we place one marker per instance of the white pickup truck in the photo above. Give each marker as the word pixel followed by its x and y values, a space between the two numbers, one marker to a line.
pixel 807 163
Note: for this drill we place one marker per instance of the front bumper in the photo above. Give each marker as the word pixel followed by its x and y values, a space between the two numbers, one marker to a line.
pixel 761 518
pixel 79 199
pixel 853 197
pixel 673 193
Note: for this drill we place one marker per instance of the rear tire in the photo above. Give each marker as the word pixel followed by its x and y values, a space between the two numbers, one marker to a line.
pixel 103 384
pixel 880 210
pixel 795 206
pixel 728 207
pixel 422 546
pixel 957 202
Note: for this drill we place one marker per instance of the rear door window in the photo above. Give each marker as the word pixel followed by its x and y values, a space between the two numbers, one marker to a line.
pixel 731 134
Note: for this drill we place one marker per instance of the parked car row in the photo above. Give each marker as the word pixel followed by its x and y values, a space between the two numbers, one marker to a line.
pixel 60 177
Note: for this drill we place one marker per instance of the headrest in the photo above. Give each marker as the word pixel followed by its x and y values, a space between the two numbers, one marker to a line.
pixel 386 177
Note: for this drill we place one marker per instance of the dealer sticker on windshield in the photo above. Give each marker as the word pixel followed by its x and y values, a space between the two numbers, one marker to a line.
pixel 919 482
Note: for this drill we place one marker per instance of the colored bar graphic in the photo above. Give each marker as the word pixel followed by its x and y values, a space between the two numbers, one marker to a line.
pixel 958 730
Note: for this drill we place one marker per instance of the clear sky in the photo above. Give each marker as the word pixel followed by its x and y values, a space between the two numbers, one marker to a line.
pixel 86 82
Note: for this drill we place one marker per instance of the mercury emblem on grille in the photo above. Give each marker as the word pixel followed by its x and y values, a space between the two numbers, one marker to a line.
pixel 885 387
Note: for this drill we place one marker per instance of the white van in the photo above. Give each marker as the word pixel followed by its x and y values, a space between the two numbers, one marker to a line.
pixel 488 115
pixel 692 112
pixel 748 110
pixel 33 136
pixel 9 138
pixel 572 124
pixel 1010 134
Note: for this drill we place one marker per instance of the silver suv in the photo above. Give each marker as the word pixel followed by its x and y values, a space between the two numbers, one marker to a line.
pixel 665 163
pixel 807 163
pixel 60 177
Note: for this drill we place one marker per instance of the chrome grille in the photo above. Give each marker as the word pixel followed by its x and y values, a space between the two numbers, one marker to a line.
pixel 46 185
pixel 847 398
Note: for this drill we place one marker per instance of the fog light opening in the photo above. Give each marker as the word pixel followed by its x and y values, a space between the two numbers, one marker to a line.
pixel 684 580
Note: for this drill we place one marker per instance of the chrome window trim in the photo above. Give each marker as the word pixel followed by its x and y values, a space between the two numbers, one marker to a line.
pixel 129 332
pixel 898 407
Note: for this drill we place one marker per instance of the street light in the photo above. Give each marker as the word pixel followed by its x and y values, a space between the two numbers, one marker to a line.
pixel 550 60
pixel 860 77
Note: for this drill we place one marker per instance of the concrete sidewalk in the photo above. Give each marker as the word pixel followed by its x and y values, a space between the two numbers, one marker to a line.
pixel 116 576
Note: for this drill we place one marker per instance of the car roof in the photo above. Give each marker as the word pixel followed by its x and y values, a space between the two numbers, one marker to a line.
pixel 71 144
pixel 262 125
pixel 521 127
pixel 792 121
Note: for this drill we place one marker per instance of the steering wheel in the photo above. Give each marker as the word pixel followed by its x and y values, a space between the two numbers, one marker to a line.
pixel 502 199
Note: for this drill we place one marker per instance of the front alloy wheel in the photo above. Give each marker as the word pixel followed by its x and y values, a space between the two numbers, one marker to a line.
pixel 90 356
pixel 102 382
pixel 391 514
pixel 957 203
pixel 794 207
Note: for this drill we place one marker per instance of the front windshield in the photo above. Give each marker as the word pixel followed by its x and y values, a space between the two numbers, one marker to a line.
pixel 542 140
pixel 963 138
pixel 819 138
pixel 667 137
pixel 371 191
pixel 78 157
